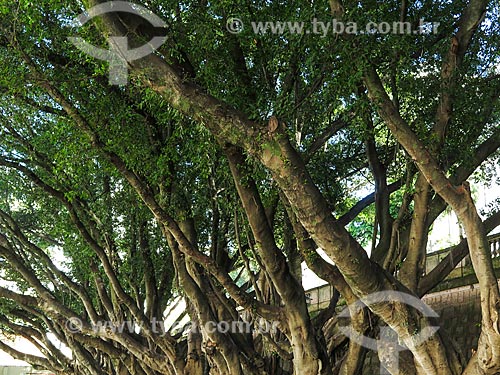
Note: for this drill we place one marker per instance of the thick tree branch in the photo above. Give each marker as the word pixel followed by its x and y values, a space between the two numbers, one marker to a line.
pixel 461 202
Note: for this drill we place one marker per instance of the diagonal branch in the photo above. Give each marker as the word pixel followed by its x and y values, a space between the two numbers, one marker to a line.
pixel 468 24
pixel 448 264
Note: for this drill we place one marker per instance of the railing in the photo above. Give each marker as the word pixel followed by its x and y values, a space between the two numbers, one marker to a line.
pixel 433 259
pixel 495 245
pixel 319 298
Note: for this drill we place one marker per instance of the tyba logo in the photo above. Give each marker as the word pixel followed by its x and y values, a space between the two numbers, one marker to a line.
pixel 118 54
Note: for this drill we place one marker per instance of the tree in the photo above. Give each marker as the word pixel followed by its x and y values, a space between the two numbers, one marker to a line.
pixel 227 161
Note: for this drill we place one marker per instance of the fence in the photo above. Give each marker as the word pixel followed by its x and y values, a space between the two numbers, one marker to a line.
pixel 433 259
pixel 318 298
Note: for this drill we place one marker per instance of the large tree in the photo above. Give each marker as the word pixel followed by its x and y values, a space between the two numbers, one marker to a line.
pixel 227 161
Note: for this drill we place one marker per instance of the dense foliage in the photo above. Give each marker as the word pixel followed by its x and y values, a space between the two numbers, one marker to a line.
pixel 225 163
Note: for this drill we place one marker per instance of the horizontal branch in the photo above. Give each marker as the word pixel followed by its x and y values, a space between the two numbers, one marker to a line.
pixel 365 202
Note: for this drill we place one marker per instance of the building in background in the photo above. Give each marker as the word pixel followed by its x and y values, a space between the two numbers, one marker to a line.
pixel 22 370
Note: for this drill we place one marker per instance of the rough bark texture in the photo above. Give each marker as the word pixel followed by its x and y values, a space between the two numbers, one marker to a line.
pixel 264 210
